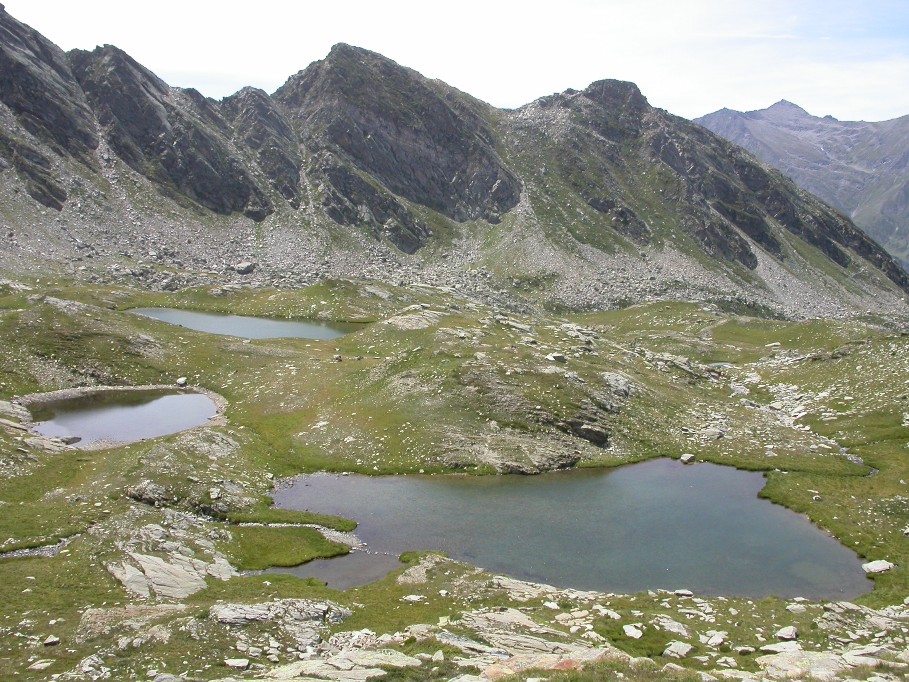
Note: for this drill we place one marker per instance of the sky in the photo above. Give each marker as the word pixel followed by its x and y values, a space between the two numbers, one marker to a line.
pixel 848 59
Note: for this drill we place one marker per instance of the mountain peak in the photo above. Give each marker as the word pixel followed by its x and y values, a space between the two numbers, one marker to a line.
pixel 784 108
pixel 616 93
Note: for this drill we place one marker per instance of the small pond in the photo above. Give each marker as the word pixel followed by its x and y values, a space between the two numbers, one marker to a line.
pixel 248 327
pixel 349 570
pixel 657 524
pixel 122 416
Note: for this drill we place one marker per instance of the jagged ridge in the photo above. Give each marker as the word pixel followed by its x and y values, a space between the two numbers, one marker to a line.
pixel 358 143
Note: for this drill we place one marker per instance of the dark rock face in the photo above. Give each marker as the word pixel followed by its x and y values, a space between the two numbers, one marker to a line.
pixel 617 153
pixel 37 85
pixel 45 105
pixel 361 142
pixel 421 140
pixel 861 168
pixel 350 199
pixel 174 137
pixel 259 126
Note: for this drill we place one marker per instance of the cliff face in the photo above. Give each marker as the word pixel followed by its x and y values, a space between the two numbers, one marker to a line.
pixel 356 153
pixel 44 105
pixel 860 168
pixel 174 137
pixel 657 179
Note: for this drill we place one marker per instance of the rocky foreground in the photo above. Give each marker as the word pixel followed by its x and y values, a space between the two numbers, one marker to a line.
pixel 535 628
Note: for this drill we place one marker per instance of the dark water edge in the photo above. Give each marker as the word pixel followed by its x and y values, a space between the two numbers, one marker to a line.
pixel 653 525
pixel 122 416
pixel 248 327
pixel 344 572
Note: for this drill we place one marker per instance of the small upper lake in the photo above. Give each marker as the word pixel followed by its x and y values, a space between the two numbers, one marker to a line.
pixel 657 524
pixel 248 327
pixel 122 416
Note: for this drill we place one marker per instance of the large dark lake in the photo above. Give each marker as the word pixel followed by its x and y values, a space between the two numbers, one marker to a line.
pixel 657 524
pixel 123 416
pixel 248 327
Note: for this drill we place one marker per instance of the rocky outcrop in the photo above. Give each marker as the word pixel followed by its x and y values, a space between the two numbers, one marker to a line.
pixel 174 137
pixel 356 163
pixel 171 561
pixel 259 126
pixel 42 104
pixel 420 139
pixel 38 87
pixel 861 168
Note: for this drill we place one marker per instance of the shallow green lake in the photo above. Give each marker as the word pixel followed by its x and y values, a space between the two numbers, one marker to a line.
pixel 247 327
pixel 657 524
pixel 123 416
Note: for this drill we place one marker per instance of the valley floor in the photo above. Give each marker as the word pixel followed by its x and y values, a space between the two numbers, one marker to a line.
pixel 140 561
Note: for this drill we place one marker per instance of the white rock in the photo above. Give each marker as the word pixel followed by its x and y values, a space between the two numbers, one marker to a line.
pixel 687 458
pixel 237 663
pixel 879 566
pixel 413 598
pixel 669 625
pixel 788 633
pixel 815 665
pixel 716 639
pixel 781 647
pixel 677 649
pixel 632 631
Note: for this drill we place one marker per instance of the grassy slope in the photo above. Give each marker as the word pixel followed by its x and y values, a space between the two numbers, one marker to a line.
pixel 419 398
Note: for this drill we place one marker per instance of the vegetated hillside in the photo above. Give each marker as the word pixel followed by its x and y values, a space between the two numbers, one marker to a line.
pixel 153 536
pixel 861 168
pixel 359 166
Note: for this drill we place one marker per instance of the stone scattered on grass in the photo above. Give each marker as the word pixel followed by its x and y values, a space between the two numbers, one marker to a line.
pixel 237 663
pixel 878 566
pixel 677 649
pixel 633 631
pixel 788 633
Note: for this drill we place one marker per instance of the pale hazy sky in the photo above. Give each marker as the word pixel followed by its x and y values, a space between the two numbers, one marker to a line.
pixel 691 57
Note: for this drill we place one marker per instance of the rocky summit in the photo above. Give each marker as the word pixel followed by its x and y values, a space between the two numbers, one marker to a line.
pixel 861 168
pixel 360 166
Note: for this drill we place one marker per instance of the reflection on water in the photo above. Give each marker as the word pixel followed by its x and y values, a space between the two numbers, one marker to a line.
pixel 247 327
pixel 343 572
pixel 657 524
pixel 123 416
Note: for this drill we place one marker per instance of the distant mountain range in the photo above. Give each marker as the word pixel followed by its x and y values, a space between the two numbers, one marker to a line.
pixel 358 166
pixel 860 168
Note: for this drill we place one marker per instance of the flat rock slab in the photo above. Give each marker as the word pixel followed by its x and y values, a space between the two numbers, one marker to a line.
pixel 522 662
pixel 819 665
pixel 677 649
pixel 879 566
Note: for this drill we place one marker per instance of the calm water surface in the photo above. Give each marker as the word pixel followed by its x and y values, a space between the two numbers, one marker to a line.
pixel 657 524
pixel 346 571
pixel 247 327
pixel 123 416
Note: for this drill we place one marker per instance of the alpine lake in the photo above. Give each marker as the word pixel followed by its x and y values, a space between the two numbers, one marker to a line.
pixel 652 525
pixel 656 524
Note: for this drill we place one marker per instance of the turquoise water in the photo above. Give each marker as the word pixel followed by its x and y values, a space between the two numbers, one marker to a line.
pixel 657 524
pixel 247 327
